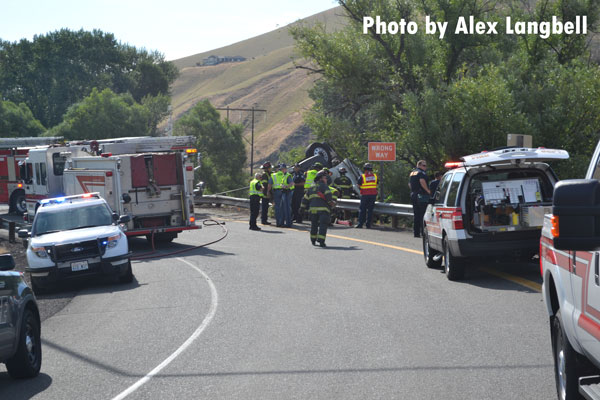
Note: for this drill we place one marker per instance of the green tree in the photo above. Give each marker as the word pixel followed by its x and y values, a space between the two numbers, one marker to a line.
pixel 440 99
pixel 18 121
pixel 56 70
pixel 104 115
pixel 220 144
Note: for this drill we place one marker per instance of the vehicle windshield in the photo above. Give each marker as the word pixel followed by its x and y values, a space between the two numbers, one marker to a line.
pixel 71 218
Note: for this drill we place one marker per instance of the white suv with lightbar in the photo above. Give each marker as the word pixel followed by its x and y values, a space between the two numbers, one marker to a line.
pixel 76 236
pixel 491 205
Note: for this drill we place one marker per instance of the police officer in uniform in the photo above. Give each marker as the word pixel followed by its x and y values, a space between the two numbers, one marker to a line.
pixel 419 195
pixel 318 201
pixel 264 181
pixel 256 193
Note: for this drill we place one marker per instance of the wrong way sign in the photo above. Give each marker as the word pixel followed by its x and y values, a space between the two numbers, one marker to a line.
pixel 382 151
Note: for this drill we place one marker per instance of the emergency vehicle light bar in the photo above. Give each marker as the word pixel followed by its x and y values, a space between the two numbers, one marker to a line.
pixel 453 164
pixel 191 151
pixel 59 200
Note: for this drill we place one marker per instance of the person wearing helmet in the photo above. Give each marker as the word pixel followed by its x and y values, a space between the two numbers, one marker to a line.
pixel 256 193
pixel 298 178
pixel 343 184
pixel 368 193
pixel 264 181
pixel 318 201
pixel 310 175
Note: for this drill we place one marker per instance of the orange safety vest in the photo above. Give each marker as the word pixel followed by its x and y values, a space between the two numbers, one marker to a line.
pixel 369 184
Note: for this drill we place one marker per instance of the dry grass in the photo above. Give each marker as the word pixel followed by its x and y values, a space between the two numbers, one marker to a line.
pixel 267 80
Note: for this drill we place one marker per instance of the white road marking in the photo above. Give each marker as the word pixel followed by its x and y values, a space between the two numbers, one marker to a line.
pixel 207 320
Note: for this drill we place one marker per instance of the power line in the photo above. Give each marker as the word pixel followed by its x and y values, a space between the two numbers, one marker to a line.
pixel 253 110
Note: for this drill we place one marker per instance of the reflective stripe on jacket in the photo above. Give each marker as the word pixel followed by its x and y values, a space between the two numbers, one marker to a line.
pixel 368 184
pixel 310 178
pixel 253 190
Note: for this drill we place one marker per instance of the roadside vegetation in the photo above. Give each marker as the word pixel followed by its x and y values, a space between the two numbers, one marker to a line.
pixel 440 99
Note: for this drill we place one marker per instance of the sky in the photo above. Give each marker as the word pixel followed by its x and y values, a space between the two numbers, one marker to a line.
pixel 176 28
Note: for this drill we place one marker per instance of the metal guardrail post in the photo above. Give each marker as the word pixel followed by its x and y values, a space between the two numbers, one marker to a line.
pixel 11 231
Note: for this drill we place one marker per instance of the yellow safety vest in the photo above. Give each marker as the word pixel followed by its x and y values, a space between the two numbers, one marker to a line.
pixel 368 182
pixel 310 178
pixel 253 190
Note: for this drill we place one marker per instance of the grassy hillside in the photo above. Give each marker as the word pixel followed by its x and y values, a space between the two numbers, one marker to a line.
pixel 268 80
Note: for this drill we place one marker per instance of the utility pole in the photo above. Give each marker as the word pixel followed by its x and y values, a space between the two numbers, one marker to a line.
pixel 252 110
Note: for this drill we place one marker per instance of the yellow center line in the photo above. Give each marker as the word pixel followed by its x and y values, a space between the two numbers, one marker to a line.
pixel 513 278
pixel 509 277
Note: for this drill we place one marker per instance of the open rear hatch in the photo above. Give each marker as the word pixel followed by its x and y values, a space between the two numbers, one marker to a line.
pixel 509 199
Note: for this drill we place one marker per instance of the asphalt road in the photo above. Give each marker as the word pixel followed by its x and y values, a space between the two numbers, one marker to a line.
pixel 265 315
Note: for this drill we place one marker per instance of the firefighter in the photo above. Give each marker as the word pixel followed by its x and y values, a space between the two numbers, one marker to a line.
pixel 343 184
pixel 318 201
pixel 256 193
pixel 264 181
pixel 368 193
pixel 299 178
pixel 310 175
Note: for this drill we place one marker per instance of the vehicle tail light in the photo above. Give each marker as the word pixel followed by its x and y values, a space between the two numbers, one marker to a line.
pixel 109 173
pixel 541 260
pixel 192 220
pixel 19 185
pixel 189 168
pixel 457 219
pixel 554 229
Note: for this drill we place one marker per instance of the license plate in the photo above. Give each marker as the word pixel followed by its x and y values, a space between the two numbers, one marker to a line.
pixel 79 266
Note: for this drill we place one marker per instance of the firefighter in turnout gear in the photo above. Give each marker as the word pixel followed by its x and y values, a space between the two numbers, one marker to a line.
pixel 343 184
pixel 256 193
pixel 318 200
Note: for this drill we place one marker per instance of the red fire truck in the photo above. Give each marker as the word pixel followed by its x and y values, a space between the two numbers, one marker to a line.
pixel 148 178
pixel 13 151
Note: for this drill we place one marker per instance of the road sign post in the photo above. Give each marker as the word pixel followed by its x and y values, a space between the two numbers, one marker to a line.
pixel 382 151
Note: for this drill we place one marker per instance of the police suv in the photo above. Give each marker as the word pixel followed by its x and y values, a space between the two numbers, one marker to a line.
pixel 76 236
pixel 20 344
pixel 491 204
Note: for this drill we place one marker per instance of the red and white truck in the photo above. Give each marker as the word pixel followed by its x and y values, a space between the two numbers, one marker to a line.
pixel 12 152
pixel 150 179
pixel 570 267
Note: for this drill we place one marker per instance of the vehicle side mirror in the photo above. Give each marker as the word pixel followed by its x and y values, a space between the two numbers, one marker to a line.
pixel 115 217
pixel 7 262
pixel 576 215
pixel 126 198
pixel 123 219
pixel 23 233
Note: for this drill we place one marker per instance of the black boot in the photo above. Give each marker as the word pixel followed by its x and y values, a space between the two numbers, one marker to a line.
pixel 313 241
pixel 322 243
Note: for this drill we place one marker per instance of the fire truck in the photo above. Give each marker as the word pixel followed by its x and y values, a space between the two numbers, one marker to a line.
pixel 148 178
pixel 570 267
pixel 13 151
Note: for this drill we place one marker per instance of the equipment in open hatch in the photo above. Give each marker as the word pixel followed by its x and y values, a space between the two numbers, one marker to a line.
pixel 508 204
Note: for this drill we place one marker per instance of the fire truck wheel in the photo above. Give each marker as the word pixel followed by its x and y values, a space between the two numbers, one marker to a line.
pixel 127 276
pixel 18 202
pixel 163 237
pixel 565 362
pixel 453 266
pixel 429 253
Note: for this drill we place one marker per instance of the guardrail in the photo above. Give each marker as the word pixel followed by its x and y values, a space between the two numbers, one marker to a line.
pixel 12 227
pixel 392 209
